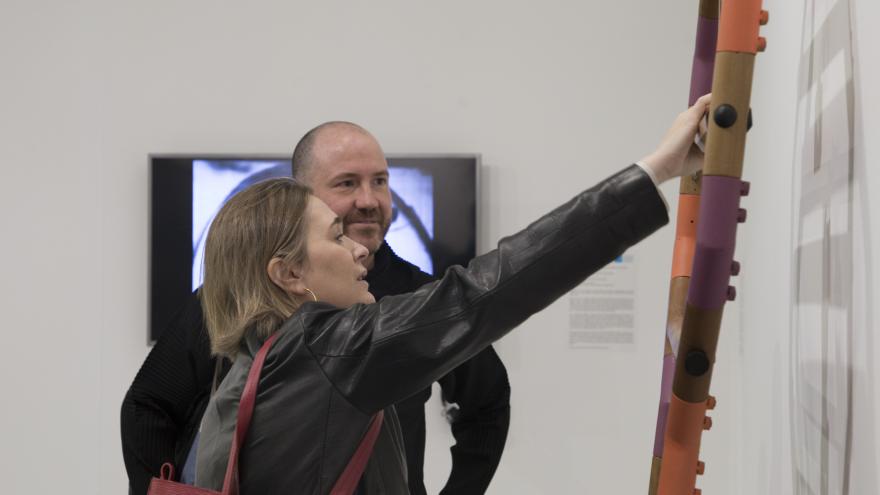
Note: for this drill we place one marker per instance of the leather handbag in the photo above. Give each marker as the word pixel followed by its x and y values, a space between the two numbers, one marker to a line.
pixel 345 485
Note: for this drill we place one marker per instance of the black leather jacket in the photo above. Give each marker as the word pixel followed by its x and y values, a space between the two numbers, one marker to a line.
pixel 331 369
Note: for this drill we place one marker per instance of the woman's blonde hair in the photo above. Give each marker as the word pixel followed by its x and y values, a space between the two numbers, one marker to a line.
pixel 265 221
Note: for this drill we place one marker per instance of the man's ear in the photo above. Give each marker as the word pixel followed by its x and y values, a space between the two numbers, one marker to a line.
pixel 287 277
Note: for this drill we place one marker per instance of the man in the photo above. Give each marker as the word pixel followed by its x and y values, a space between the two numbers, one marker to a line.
pixel 346 168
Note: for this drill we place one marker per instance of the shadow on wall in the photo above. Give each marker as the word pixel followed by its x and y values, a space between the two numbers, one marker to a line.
pixel 832 377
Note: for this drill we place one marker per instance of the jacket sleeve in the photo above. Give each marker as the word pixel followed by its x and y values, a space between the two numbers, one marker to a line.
pixel 480 390
pixel 157 410
pixel 378 354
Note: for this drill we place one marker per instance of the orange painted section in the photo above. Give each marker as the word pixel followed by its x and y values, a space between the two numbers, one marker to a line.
pixel 738 26
pixel 685 235
pixel 681 448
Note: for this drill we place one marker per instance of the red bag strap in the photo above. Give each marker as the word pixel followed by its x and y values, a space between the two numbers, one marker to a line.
pixel 348 480
pixel 245 412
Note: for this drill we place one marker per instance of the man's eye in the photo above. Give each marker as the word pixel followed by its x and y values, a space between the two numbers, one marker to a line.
pixel 381 181
pixel 346 183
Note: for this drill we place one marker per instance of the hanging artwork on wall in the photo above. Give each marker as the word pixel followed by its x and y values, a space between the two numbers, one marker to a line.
pixel 433 214
pixel 830 319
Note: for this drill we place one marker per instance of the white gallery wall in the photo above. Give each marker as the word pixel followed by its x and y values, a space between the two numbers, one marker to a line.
pixel 555 96
pixel 808 385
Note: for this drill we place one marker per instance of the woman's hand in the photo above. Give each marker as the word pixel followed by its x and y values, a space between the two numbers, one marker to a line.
pixel 677 154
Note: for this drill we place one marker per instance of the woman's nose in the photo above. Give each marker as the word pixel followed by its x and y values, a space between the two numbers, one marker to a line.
pixel 359 251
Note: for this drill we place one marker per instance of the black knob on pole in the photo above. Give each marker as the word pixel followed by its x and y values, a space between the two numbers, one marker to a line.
pixel 696 363
pixel 725 116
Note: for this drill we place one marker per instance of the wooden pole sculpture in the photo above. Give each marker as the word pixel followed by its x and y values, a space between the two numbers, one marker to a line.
pixel 719 214
pixel 685 230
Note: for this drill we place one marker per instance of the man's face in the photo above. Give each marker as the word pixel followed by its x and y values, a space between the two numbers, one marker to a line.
pixel 350 175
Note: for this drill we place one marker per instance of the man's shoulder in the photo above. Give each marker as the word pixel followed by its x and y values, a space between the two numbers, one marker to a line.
pixel 401 264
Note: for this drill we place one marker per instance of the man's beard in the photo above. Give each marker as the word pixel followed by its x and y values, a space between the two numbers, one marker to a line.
pixel 373 216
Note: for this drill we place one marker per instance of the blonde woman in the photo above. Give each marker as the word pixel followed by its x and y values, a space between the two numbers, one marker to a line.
pixel 277 261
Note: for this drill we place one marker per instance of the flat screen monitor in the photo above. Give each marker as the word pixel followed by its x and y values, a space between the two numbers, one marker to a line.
pixel 434 214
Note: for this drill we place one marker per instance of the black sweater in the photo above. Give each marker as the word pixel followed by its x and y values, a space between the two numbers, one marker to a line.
pixel 163 408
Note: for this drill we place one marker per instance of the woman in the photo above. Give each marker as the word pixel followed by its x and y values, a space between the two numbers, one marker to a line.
pixel 277 262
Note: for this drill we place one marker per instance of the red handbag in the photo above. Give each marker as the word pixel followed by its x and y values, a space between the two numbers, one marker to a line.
pixel 345 485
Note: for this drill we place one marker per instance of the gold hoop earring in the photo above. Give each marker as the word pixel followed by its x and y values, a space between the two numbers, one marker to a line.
pixel 314 297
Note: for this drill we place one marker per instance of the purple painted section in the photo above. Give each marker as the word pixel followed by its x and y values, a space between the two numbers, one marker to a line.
pixel 716 239
pixel 665 397
pixel 668 375
pixel 704 58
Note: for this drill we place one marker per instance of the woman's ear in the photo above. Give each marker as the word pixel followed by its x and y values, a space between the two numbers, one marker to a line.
pixel 287 277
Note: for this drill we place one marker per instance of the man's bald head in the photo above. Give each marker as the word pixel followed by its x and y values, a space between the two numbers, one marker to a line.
pixel 311 147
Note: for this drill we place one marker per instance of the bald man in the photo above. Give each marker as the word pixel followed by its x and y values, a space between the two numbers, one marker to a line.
pixel 346 167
